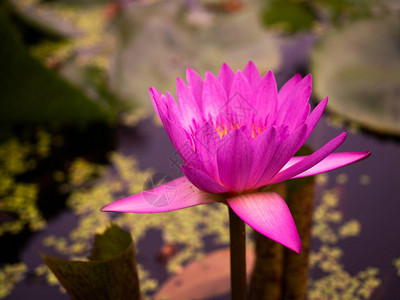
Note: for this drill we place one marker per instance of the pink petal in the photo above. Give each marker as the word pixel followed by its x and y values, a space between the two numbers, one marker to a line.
pixel 168 108
pixel 287 88
pixel 268 214
pixel 155 98
pixel 178 137
pixel 196 83
pixel 171 120
pixel 267 98
pixel 292 110
pixel 234 160
pixel 176 194
pixel 331 162
pixel 283 154
pixel 202 180
pixel 207 142
pixel 190 111
pixel 241 104
pixel 214 97
pixel 314 117
pixel 306 112
pixel 225 77
pixel 264 147
pixel 175 131
pixel 309 161
pixel 252 74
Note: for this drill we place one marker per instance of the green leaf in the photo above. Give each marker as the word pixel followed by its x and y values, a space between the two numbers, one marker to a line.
pixel 288 15
pixel 30 93
pixel 110 272
pixel 112 242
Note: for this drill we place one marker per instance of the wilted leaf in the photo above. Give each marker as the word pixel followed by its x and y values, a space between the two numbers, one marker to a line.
pixel 110 272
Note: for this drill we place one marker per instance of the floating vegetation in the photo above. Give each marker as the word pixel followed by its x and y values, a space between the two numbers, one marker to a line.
pixel 337 283
pixel 350 229
pixel 91 186
pixel 321 179
pixel 85 29
pixel 396 263
pixel 81 172
pixel 18 199
pixel 10 275
pixel 185 228
pixel 365 179
pixel 34 94
pixel 342 179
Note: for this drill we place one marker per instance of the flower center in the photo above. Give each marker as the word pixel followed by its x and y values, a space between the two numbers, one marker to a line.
pixel 223 129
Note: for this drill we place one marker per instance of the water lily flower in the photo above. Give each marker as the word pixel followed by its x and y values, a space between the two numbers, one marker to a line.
pixel 237 134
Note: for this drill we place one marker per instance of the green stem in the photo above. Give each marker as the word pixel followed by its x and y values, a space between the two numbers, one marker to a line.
pixel 238 257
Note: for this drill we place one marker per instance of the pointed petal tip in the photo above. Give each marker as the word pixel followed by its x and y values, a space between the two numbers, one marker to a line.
pixel 294 245
pixel 364 155
pixel 331 162
pixel 211 76
pixel 297 249
pixel 154 92
pixel 296 78
pixel 108 208
pixel 190 73
pixel 251 65
pixel 306 79
pixel 179 81
pixel 225 67
pixel 270 75
pixel 268 214
pixel 190 70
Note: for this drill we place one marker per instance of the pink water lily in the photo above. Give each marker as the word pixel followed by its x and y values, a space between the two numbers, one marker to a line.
pixel 236 134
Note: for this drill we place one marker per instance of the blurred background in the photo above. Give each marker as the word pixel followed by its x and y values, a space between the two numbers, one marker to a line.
pixel 77 131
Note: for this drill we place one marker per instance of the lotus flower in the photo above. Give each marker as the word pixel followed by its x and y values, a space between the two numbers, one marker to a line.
pixel 237 134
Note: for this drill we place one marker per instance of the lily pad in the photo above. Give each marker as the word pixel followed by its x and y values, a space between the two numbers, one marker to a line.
pixel 358 67
pixel 159 40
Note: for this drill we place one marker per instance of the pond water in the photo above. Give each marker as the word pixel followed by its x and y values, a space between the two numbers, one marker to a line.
pixel 356 224
pixel 367 192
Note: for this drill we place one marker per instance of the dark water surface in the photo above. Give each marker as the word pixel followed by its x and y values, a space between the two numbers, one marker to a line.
pixel 375 205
